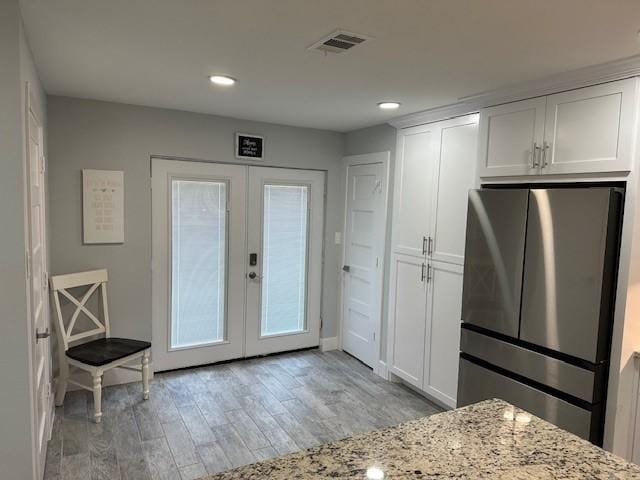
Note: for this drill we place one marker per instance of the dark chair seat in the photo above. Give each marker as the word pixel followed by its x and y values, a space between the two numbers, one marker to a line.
pixel 106 350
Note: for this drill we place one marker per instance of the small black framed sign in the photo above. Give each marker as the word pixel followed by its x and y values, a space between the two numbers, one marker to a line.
pixel 250 147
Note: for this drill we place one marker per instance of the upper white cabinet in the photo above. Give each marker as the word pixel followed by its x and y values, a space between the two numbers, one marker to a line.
pixel 457 144
pixel 416 159
pixel 588 130
pixel 510 138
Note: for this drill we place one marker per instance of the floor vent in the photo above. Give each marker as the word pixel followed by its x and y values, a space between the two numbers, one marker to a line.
pixel 339 41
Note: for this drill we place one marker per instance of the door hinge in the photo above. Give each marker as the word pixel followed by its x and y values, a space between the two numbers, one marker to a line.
pixel 374 336
pixel 43 164
pixel 321 322
pixel 48 390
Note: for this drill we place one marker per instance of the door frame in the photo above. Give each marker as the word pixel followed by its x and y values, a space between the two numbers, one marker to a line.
pixel 384 158
pixel 50 412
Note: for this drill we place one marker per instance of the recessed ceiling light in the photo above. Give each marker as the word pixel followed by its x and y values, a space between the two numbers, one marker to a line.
pixel 222 80
pixel 389 105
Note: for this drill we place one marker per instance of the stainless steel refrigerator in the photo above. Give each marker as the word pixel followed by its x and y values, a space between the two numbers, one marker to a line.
pixel 537 309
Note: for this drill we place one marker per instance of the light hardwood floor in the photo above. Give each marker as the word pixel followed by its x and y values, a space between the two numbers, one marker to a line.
pixel 206 420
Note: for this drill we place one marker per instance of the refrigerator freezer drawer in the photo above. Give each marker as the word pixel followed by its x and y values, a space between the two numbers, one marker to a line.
pixel 477 383
pixel 540 368
pixel 494 257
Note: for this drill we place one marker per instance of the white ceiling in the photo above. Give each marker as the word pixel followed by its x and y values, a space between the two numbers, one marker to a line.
pixel 425 53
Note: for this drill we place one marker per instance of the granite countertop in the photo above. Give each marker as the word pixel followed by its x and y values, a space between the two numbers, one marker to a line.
pixel 488 440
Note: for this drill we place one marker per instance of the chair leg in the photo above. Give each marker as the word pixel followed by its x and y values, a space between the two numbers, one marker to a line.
pixel 145 375
pixel 97 396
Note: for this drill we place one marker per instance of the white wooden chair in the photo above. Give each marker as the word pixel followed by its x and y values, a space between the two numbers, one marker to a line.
pixel 98 355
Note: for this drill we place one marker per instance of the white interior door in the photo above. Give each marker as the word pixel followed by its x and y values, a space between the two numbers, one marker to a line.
pixel 365 226
pixel 38 286
pixel 199 231
pixel 284 260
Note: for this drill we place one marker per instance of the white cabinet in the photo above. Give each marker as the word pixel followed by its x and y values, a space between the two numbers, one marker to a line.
pixel 588 130
pixel 435 170
pixel 408 298
pixel 457 146
pixel 415 168
pixel 509 135
pixel 443 332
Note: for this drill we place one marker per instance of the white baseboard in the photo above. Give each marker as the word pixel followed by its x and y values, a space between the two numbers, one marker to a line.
pixel 395 379
pixel 327 344
pixel 382 370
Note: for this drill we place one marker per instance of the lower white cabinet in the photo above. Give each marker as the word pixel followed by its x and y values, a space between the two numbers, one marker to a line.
pixel 442 333
pixel 426 300
pixel 408 300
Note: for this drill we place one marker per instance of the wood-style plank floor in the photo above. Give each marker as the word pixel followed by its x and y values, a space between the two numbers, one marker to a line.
pixel 206 420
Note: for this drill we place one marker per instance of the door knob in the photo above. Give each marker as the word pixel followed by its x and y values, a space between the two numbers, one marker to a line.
pixel 42 335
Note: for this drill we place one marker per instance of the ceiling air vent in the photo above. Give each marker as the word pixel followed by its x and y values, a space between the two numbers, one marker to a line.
pixel 339 41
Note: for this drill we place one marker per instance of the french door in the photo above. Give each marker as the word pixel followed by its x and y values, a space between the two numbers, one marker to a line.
pixel 237 259
pixel 285 219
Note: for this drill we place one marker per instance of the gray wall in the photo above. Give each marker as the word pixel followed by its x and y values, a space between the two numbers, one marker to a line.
pixel 378 138
pixel 16 440
pixel 103 135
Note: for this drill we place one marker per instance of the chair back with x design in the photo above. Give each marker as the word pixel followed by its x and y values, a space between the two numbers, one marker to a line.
pixel 96 280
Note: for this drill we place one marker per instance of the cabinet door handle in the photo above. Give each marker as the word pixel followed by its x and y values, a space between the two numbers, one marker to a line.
pixel 430 246
pixel 545 147
pixel 422 273
pixel 428 273
pixel 535 155
pixel 424 245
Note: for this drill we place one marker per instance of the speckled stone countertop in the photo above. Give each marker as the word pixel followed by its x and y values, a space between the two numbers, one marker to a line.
pixel 488 440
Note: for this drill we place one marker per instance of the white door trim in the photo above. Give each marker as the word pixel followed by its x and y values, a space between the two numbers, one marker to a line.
pixel 367 159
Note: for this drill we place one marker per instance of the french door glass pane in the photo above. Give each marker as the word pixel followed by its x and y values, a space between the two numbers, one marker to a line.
pixel 284 259
pixel 198 251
